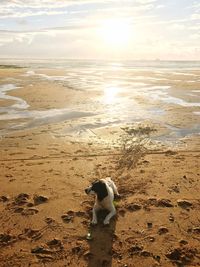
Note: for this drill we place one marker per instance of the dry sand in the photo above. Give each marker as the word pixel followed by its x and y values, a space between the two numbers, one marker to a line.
pixel 45 213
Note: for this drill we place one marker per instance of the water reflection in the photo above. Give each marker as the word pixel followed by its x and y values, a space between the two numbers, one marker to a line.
pixel 111 94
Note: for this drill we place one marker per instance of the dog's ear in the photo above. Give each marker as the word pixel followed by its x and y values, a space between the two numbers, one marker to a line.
pixel 96 184
pixel 100 188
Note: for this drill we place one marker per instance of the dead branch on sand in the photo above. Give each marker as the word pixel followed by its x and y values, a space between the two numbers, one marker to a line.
pixel 134 144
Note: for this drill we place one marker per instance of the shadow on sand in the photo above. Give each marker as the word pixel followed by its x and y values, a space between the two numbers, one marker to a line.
pixel 101 242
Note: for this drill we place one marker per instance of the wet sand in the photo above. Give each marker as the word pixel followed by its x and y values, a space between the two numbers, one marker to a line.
pixel 45 167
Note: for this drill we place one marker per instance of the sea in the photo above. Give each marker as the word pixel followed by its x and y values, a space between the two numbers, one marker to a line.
pixel 131 91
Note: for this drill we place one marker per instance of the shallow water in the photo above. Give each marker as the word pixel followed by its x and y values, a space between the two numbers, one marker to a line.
pixel 19 103
pixel 129 92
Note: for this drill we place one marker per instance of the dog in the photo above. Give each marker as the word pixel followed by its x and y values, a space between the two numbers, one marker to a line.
pixel 105 190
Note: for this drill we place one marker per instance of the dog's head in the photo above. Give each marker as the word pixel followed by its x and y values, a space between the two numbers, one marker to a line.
pixel 98 188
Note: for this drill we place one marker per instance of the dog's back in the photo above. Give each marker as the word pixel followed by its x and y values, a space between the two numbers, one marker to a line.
pixel 111 184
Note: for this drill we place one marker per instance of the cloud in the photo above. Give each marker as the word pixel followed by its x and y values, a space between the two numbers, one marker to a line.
pixel 146 1
pixel 27 8
pixel 195 27
pixel 160 6
pixel 22 22
pixel 176 26
pixel 195 16
pixel 195 36
pixel 23 12
pixel 8 37
pixel 44 3
pixel 48 43
pixel 196 6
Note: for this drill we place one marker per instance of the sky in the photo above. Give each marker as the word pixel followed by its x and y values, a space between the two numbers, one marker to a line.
pixel 106 29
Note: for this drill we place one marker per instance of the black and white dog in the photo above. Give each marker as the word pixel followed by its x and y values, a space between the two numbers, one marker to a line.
pixel 105 189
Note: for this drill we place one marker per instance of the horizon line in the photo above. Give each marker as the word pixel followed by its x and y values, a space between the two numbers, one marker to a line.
pixel 96 59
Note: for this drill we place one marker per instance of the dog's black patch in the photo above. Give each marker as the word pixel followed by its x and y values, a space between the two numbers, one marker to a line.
pixel 100 189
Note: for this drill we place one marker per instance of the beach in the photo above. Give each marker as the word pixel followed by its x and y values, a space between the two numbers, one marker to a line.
pixel 63 127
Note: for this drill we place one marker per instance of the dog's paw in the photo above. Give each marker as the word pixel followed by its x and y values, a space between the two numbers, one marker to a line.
pixel 106 222
pixel 93 222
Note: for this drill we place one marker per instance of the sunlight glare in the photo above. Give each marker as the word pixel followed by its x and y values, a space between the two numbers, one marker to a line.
pixel 110 94
pixel 115 32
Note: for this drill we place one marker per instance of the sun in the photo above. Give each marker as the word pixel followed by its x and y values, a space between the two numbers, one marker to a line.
pixel 115 32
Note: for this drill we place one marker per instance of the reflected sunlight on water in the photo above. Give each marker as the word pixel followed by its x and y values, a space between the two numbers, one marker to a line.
pixel 111 94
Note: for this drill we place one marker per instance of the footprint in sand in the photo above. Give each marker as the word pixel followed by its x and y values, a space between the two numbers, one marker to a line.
pixel 194 230
pixel 29 211
pixel 49 220
pixel 133 207
pixel 6 239
pixel 166 203
pixel 182 255
pixel 21 199
pixel 22 204
pixel 162 230
pixel 68 216
pixel 4 198
pixel 18 209
pixel 184 204
pixel 31 234
pixel 38 199
pixel 55 243
pixel 42 253
pixel 122 212
pixel 49 251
